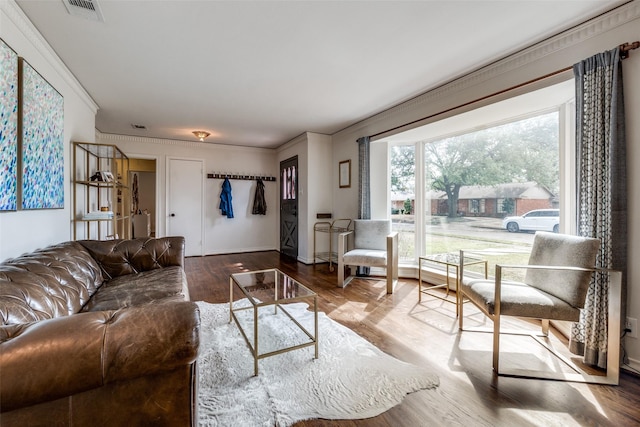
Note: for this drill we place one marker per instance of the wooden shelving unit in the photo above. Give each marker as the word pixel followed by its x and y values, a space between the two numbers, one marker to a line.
pixel 101 202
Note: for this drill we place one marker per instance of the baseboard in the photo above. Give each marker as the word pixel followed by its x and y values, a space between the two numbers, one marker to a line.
pixel 308 261
pixel 241 250
pixel 632 366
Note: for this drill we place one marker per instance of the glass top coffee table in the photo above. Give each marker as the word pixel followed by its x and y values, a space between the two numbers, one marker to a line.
pixel 269 292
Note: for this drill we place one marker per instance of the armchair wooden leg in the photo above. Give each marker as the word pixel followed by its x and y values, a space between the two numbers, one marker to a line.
pixel 496 320
pixel 340 274
pixel 391 283
pixel 496 343
pixel 392 261
pixel 342 280
pixel 342 249
pixel 460 308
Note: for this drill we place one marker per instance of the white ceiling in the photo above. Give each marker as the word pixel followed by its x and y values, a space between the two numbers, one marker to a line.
pixel 259 73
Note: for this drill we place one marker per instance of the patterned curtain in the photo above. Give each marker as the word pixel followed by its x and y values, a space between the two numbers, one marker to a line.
pixel 364 183
pixel 601 190
pixel 364 188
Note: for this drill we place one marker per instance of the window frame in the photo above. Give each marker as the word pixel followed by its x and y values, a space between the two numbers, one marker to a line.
pixel 566 136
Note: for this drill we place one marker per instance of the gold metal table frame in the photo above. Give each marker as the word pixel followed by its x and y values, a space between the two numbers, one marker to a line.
pixel 450 261
pixel 266 288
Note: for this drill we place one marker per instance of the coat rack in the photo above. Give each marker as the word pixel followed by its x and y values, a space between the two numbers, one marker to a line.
pixel 218 175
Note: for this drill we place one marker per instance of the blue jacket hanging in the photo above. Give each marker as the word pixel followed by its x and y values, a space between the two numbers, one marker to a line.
pixel 225 199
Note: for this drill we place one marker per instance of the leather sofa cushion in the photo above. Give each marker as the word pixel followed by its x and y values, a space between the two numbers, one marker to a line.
pixel 165 284
pixel 121 257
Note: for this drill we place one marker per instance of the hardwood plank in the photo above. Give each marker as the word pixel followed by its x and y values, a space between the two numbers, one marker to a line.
pixel 426 334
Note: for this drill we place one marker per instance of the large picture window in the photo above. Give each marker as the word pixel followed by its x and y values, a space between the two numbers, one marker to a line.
pixel 453 183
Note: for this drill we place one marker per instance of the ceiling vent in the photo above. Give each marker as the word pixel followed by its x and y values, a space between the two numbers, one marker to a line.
pixel 88 9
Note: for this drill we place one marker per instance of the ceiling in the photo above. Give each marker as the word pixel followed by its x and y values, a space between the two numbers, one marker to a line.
pixel 259 73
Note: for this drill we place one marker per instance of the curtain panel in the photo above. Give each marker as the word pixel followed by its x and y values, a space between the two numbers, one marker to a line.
pixel 601 191
pixel 364 188
pixel 364 183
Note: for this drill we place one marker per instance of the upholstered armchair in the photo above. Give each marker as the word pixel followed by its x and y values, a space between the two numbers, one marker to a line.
pixel 555 287
pixel 374 245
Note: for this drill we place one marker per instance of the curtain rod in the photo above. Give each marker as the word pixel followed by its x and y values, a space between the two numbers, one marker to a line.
pixel 624 49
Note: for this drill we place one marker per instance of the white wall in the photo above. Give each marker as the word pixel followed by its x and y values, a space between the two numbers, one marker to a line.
pixel 24 231
pixel 243 233
pixel 314 184
pixel 380 182
pixel 608 31
pixel 319 186
pixel 631 70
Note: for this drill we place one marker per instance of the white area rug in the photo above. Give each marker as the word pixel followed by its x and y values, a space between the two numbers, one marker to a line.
pixel 351 379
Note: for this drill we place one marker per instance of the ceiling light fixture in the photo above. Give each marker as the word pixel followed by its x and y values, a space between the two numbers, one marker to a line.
pixel 200 134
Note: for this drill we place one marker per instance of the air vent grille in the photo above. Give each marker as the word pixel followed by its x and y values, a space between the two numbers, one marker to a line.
pixel 88 9
pixel 85 4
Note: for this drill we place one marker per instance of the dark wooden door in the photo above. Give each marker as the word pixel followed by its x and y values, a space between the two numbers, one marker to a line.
pixel 289 207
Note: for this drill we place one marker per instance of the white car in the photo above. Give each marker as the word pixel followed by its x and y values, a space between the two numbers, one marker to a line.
pixel 539 219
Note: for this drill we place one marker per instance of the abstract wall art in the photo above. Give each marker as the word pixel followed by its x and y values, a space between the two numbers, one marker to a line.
pixel 8 128
pixel 42 145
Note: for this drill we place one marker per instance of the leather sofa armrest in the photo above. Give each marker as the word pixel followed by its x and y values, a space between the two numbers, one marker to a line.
pixel 54 358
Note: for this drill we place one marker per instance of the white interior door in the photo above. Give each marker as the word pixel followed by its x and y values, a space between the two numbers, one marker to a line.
pixel 184 204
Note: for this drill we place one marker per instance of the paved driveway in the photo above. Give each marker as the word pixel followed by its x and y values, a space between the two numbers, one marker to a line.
pixel 489 228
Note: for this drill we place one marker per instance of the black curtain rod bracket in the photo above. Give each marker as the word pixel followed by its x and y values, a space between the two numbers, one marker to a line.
pixel 626 47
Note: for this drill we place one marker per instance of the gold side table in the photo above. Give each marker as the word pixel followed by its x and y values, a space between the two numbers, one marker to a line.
pixel 451 261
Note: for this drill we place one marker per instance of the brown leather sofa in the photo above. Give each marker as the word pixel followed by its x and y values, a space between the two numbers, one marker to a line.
pixel 98 333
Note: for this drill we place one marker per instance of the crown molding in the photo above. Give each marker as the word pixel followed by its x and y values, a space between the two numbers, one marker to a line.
pixel 292 142
pixel 564 40
pixel 112 138
pixel 13 12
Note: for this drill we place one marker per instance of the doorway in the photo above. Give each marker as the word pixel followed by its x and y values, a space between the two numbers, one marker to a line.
pixel 289 207
pixel 142 185
pixel 184 204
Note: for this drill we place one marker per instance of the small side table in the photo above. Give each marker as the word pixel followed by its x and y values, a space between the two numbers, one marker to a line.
pixel 450 261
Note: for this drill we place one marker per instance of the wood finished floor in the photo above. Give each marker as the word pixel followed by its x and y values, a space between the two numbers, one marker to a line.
pixel 426 334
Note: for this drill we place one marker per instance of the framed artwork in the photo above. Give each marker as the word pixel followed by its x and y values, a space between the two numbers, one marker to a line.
pixel 8 128
pixel 41 141
pixel 344 179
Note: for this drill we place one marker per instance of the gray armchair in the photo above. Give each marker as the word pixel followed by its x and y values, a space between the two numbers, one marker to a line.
pixel 375 245
pixel 555 288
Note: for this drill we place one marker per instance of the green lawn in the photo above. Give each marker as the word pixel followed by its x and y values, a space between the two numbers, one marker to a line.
pixel 441 243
